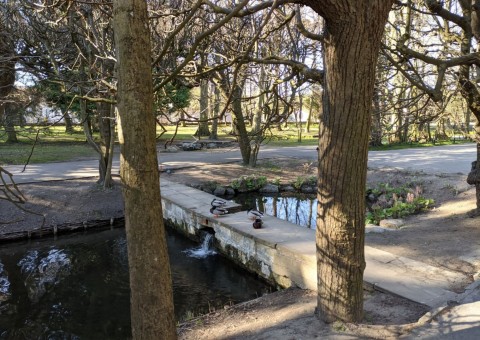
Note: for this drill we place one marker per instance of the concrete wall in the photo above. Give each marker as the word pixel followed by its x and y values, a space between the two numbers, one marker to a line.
pixel 281 252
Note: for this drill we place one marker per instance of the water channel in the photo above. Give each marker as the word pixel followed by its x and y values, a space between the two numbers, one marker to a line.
pixel 298 209
pixel 76 287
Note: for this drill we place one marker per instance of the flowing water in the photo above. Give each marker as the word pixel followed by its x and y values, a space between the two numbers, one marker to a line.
pixel 77 287
pixel 299 209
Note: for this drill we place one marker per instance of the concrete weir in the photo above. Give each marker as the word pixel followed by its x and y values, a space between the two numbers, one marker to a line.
pixel 281 252
pixel 284 253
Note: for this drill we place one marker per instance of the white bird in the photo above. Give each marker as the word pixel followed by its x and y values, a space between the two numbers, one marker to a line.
pixel 254 214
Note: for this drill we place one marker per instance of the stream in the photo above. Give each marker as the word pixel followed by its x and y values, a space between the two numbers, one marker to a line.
pixel 77 286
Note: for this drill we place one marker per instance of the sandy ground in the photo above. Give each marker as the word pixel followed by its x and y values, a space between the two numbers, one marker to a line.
pixel 443 237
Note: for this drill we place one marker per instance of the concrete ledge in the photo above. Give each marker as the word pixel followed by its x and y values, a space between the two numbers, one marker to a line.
pixel 285 255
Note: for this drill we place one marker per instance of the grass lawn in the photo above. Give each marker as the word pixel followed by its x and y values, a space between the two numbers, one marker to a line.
pixel 53 145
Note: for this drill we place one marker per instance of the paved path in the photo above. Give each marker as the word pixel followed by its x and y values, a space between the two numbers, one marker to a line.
pixel 442 159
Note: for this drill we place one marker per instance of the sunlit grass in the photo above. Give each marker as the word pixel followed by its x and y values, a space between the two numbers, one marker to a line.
pixel 52 144
pixel 44 152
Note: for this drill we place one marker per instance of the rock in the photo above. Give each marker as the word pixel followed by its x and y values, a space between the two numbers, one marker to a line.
pixel 307 189
pixel 191 146
pixel 269 188
pixel 229 191
pixel 372 228
pixel 392 223
pixel 211 145
pixel 287 188
pixel 172 148
pixel 219 191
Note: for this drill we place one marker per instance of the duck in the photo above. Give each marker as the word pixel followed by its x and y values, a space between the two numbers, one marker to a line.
pixel 254 214
pixel 217 211
pixel 257 224
pixel 218 203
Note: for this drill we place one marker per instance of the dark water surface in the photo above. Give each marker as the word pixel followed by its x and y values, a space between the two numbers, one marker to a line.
pixel 298 209
pixel 77 287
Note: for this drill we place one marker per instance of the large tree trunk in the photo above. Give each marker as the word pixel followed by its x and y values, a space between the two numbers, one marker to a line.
pixel 150 278
pixel 353 33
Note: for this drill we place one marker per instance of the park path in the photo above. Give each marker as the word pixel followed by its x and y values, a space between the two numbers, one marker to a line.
pixel 441 159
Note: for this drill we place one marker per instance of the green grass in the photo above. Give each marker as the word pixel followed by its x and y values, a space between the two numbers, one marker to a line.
pixel 44 152
pixel 53 145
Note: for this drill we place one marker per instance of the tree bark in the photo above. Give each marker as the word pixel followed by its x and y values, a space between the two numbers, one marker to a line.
pixel 203 130
pixel 105 123
pixel 150 278
pixel 353 31
pixel 9 118
pixel 215 112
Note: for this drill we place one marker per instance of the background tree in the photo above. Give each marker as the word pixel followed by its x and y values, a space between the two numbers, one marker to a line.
pixel 432 70
pixel 7 72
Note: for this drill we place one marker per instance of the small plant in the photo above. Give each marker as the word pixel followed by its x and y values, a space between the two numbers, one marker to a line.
pixel 339 326
pixel 307 167
pixel 248 183
pixel 276 181
pixel 302 180
pixel 395 202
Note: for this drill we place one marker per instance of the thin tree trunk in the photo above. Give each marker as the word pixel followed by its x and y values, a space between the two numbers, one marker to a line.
pixel 68 123
pixel 203 123
pixel 108 174
pixel 151 297
pixel 9 124
pixel 216 112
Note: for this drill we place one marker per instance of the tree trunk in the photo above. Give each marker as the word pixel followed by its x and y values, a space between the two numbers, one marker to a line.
pixel 202 130
pixel 151 298
pixel 9 119
pixel 215 112
pixel 105 122
pixel 240 127
pixel 353 31
pixel 68 123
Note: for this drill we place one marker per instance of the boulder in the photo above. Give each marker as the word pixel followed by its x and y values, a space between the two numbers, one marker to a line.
pixel 307 189
pixel 287 188
pixel 392 223
pixel 219 191
pixel 269 188
pixel 229 191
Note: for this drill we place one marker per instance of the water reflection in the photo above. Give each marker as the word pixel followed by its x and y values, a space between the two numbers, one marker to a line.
pixel 300 209
pixel 77 287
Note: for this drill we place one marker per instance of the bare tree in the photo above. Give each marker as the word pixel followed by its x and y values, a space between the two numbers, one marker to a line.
pixel 457 25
